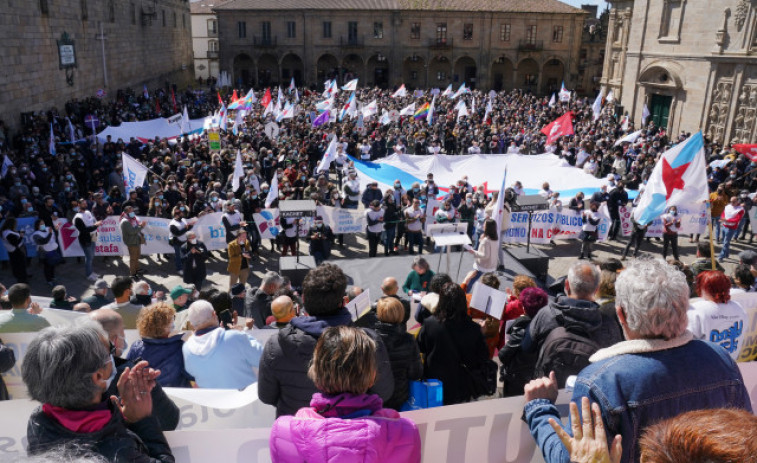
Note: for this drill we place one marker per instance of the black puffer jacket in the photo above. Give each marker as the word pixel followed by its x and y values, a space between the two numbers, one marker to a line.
pixel 517 366
pixel 405 358
pixel 118 441
pixel 283 380
pixel 7 361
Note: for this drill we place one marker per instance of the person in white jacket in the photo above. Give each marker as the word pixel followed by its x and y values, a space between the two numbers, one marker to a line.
pixel 487 254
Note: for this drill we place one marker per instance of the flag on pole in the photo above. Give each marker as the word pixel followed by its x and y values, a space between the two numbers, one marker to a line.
pixel 266 98
pixel 630 138
pixel 679 177
pixel 71 131
pixel 386 119
pixel 273 194
pixel 489 109
pixel 552 101
pixel 328 157
pixel 370 109
pixel 238 172
pixel 325 105
pixel 347 106
pixel 596 108
pixel 145 93
pixel 133 171
pixel 185 128
pixel 52 141
pixel 220 100
pixel 610 97
pixel 234 96
pixel 644 115
pixel 462 110
pixel 422 112
pixel 448 91
pixel 321 119
pixel 625 123
pixel 564 93
pixel 238 121
pixel 296 96
pixel 408 110
pixel 461 91
pixel 401 92
pixel 269 108
pixel 286 113
pixel 7 164
pixel 750 151
pixel 430 117
pixel 350 86
pixel 223 117
pixel 563 125
pixel 292 87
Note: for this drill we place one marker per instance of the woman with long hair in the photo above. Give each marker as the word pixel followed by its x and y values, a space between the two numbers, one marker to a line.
pixel 487 254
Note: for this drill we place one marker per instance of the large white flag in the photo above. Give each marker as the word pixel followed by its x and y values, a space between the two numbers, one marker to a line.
pixel 273 193
pixel 552 101
pixel 630 138
pixel 408 110
pixel 596 108
pixel 185 122
pixel 350 86
pixel 448 91
pixel 134 172
pixel 328 157
pixel 401 92
pixel 462 110
pixel 461 91
pixel 370 109
pixel 238 172
pixel 645 115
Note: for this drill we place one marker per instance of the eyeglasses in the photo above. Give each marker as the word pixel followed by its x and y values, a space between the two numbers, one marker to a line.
pixel 112 349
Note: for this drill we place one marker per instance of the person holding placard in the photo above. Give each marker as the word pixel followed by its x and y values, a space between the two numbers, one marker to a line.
pixel 487 253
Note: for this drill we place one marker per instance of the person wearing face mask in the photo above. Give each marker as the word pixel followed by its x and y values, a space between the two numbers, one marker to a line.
pixel 351 191
pixel 467 212
pixel 672 223
pixel 232 222
pixel 194 254
pixel 70 370
pixel 131 231
pixel 178 228
pixel 161 345
pixel 392 216
pixel 239 259
pixel 320 238
pixel 589 232
pixel 45 240
pixel 374 216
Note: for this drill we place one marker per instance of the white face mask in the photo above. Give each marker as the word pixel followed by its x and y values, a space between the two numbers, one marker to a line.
pixel 193 241
pixel 112 373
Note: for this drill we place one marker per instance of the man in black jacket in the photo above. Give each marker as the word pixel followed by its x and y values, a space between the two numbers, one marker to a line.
pixel 257 304
pixel 617 198
pixel 283 379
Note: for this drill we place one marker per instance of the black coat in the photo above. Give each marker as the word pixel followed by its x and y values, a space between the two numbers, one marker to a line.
pixel 257 305
pixel 517 366
pixel 405 358
pixel 445 345
pixel 118 441
pixel 194 263
pixel 7 361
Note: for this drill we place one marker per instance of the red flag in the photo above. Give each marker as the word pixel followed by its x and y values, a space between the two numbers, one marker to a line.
pixel 234 96
pixel 266 98
pixel 750 151
pixel 173 100
pixel 157 105
pixel 563 125
pixel 220 100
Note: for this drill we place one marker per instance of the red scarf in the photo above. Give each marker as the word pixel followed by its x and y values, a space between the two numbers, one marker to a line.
pixel 80 421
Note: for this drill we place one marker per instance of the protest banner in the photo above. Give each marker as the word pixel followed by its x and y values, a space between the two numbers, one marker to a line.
pixel 342 221
pixel 753 218
pixel 693 221
pixel 25 224
pixel 214 141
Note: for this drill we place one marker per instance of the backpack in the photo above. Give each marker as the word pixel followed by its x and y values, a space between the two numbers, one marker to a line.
pixel 566 353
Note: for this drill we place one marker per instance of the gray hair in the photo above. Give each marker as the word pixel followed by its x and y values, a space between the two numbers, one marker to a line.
pixel 583 279
pixel 110 320
pixel 419 261
pixel 270 278
pixel 141 287
pixel 60 361
pixel 654 297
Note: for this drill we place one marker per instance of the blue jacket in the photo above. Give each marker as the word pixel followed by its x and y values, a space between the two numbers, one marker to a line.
pixel 640 382
pixel 164 355
pixel 222 359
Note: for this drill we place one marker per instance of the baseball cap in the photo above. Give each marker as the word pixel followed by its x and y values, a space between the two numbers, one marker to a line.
pixel 101 284
pixel 179 291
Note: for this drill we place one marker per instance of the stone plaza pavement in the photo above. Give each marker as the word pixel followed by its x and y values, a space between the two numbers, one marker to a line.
pixel 159 270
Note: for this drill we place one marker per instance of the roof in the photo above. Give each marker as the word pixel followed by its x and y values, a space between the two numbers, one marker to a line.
pixel 205 6
pixel 504 6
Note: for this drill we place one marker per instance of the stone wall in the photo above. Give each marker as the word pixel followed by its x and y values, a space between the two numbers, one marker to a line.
pixel 139 49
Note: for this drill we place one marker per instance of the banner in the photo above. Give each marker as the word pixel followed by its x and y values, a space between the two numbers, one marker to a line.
pixel 269 227
pixel 551 224
pixel 27 225
pixel 693 221
pixel 134 172
pixel 148 130
pixel 340 220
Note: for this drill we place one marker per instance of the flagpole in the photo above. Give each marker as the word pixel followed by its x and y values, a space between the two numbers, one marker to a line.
pixel 709 229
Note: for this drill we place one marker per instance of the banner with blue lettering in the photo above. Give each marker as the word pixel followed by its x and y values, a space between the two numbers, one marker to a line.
pixel 27 225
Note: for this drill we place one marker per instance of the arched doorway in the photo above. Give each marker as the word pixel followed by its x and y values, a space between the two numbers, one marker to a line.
pixel 268 70
pixel 528 75
pixel 439 72
pixel 352 67
pixel 466 71
pixel 414 72
pixel 243 70
pixel 553 73
pixel 377 70
pixel 291 66
pixel 502 74
pixel 327 68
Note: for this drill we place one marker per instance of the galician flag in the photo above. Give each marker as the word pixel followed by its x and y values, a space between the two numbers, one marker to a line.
pixel 462 110
pixel 347 106
pixel 750 151
pixel 134 172
pixel 328 157
pixel 461 91
pixel 238 172
pixel 552 101
pixel 564 93
pixel 448 91
pixel 273 193
pixel 291 85
pixel 488 111
pixel 52 141
pixel 402 91
pixel 350 86
pixel 679 177
pixel 563 125
pixel 370 109
pixel 408 110
pixel 596 108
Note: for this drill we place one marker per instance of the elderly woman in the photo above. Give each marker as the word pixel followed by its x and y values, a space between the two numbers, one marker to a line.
pixel 163 351
pixel 68 369
pixel 419 277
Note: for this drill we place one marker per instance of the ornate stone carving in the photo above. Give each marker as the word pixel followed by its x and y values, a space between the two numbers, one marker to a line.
pixel 742 10
pixel 719 109
pixel 746 109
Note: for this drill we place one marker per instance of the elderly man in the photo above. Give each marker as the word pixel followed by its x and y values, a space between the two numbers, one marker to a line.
pixel 258 302
pixel 658 373
pixel 219 358
pixel 283 312
pixel 24 314
pixel 122 290
pixel 99 299
pixel 389 288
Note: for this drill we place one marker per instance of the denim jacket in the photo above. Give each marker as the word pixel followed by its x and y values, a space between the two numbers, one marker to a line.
pixel 637 383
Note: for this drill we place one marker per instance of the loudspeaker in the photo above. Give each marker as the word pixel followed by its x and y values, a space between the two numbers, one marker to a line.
pixel 289 267
pixel 558 286
pixel 534 260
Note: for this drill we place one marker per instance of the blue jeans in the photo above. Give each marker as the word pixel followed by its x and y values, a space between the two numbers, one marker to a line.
pixel 729 234
pixel 716 228
pixel 415 238
pixel 390 233
pixel 469 288
pixel 89 256
pixel 177 256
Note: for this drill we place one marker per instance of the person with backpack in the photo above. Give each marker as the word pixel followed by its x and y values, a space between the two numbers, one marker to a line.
pixel 567 332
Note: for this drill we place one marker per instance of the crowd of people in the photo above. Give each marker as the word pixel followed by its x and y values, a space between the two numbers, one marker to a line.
pixel 630 332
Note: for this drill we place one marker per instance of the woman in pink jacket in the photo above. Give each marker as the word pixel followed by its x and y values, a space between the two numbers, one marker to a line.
pixel 344 424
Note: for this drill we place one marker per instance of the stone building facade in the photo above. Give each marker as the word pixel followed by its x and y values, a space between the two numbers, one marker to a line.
pixel 116 44
pixel 591 56
pixel 422 43
pixel 205 45
pixel 693 64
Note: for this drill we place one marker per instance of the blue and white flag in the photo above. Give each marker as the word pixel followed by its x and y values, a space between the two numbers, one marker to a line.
pixel 564 93
pixel 52 141
pixel 596 108
pixel 328 157
pixel 273 194
pixel 448 91
pixel 679 177
pixel 461 91
pixel 134 172
pixel 350 86
pixel 71 131
pixel 644 115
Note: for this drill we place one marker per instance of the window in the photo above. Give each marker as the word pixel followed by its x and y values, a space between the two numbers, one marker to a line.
pixel 265 31
pixel 531 35
pixel 242 29
pixel 529 79
pixel 112 11
pixel 213 45
pixel 163 17
pixel 415 30
pixel 133 14
pixel 670 23
pixel 84 12
pixel 44 8
pixel 441 75
pixel 504 32
pixel 326 29
pixel 212 27
pixel 441 33
pixel 291 29
pixel 467 31
pixel 413 75
pixel 378 30
pixel 352 31
pixel 557 34
pixel 175 23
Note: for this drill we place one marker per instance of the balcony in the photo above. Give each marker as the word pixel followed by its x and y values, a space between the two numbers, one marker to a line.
pixel 264 42
pixel 530 45
pixel 212 32
pixel 440 44
pixel 351 42
pixel 212 54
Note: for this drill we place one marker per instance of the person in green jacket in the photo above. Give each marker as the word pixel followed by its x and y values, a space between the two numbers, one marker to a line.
pixel 418 279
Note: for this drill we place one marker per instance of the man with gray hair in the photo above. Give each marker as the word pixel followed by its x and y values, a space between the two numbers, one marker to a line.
pixel 658 373
pixel 576 311
pixel 258 302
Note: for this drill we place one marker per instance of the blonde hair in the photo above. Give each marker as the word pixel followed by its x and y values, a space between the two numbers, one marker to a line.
pixel 390 310
pixel 521 282
pixel 344 360
pixel 154 319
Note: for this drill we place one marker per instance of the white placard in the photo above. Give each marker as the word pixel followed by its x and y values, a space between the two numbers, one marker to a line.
pixel 359 305
pixel 488 300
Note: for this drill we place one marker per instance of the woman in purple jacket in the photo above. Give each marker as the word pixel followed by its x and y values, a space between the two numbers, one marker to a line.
pixel 344 424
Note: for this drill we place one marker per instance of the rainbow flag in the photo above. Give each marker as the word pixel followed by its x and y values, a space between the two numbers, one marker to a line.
pixel 421 112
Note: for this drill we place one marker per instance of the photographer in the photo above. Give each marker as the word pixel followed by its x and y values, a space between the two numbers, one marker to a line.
pixel 320 238
pixel 193 255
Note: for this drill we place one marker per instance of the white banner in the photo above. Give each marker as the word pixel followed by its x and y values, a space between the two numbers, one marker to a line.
pixel 134 172
pixel 551 225
pixel 269 227
pixel 343 220
pixel 693 221
pixel 753 218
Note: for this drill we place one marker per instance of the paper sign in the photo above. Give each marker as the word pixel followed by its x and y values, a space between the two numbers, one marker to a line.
pixel 359 305
pixel 488 300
